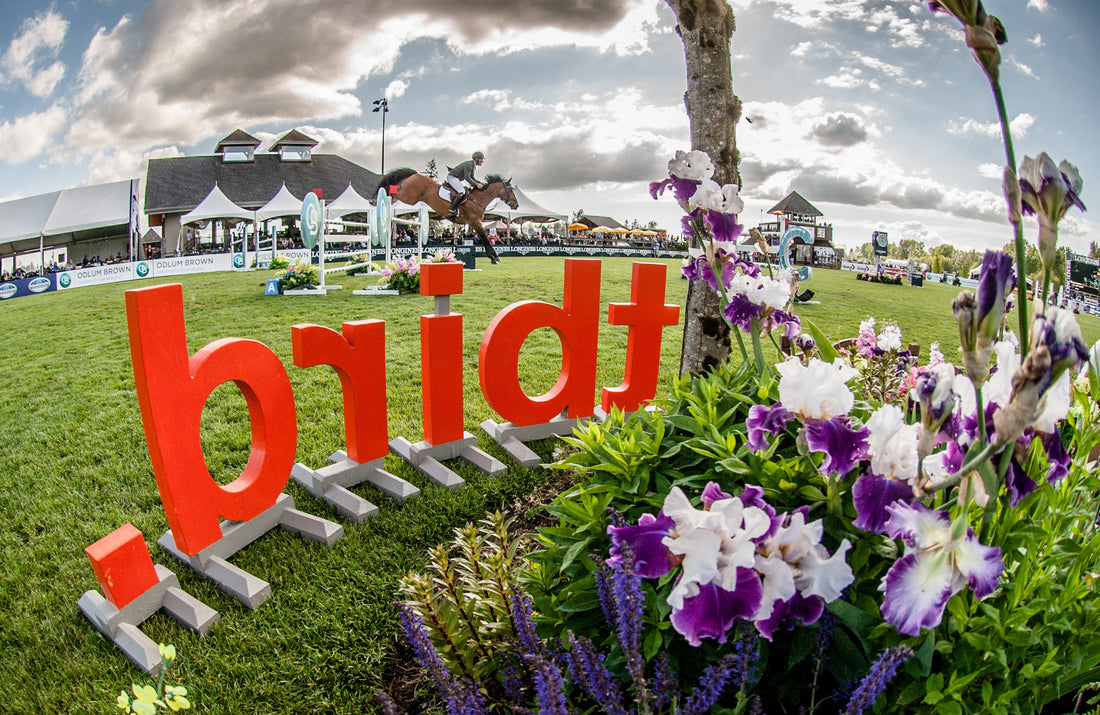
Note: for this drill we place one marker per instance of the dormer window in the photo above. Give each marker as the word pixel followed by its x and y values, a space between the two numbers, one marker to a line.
pixel 237 153
pixel 294 153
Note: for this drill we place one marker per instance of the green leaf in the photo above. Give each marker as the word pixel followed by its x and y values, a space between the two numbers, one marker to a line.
pixel 574 551
pixel 824 346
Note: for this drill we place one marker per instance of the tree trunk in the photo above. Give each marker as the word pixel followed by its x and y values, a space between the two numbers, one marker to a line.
pixel 706 26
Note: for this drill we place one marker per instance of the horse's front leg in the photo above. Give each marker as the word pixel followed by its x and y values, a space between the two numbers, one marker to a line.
pixel 484 238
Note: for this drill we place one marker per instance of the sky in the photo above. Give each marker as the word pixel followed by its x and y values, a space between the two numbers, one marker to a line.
pixel 873 110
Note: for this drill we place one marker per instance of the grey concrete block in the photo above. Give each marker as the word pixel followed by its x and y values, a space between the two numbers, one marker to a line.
pixel 249 590
pixel 311 527
pixel 189 610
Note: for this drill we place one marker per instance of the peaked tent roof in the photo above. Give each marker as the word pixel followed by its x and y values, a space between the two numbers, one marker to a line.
pixel 215 205
pixel 349 202
pixel 527 209
pixel 62 217
pixel 281 204
pixel 795 204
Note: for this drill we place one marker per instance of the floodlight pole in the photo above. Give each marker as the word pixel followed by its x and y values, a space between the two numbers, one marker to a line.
pixel 382 105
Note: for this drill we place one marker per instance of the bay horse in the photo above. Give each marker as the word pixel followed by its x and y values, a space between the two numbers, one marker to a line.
pixel 413 187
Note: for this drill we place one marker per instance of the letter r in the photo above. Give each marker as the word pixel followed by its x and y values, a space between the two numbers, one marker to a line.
pixel 359 359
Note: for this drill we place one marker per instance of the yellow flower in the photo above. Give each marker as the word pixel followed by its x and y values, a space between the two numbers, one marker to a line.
pixel 123 701
pixel 176 698
pixel 146 702
pixel 168 652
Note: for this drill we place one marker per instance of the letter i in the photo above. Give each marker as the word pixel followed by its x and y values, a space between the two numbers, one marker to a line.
pixel 441 355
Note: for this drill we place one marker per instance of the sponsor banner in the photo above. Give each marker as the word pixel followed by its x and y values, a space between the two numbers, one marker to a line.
pixel 28 286
pixel 181 265
pixel 98 275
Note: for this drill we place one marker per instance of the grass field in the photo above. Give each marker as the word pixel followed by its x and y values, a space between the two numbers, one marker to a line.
pixel 75 467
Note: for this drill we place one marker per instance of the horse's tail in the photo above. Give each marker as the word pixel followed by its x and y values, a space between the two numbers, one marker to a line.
pixel 394 177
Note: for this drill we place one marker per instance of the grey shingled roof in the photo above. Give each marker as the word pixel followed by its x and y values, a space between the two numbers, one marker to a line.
pixel 795 204
pixel 606 221
pixel 179 184
pixel 238 137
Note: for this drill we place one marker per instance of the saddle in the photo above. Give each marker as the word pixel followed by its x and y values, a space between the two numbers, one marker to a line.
pixel 445 193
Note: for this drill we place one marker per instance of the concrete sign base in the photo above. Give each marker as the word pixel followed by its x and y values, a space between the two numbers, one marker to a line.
pixel 427 459
pixel 511 437
pixel 248 589
pixel 330 484
pixel 121 625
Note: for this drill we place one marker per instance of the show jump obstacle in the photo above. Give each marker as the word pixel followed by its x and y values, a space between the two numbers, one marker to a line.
pixel 209 523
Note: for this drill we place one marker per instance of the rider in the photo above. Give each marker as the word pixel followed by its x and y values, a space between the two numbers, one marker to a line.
pixel 461 175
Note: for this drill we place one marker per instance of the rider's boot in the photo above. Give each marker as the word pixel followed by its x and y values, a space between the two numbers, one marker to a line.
pixel 453 212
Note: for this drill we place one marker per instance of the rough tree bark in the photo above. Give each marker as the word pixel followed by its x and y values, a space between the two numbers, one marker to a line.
pixel 706 27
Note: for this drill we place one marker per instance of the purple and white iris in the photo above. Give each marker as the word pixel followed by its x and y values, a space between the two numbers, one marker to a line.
pixel 737 559
pixel 818 395
pixel 935 567
pixel 711 213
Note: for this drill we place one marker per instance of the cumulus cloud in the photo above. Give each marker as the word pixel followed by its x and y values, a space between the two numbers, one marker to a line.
pixel 37 43
pixel 1040 5
pixel 1019 126
pixel 1037 40
pixel 840 129
pixel 176 73
pixel 31 135
pixel 990 170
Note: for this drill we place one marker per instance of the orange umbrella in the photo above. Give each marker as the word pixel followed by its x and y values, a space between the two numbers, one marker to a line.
pixel 578 227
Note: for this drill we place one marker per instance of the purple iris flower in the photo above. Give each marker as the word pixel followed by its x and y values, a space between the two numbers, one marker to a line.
pixel 1017 482
pixel 723 226
pixel 712 493
pixel 871 494
pixel 764 420
pixel 1057 456
pixel 995 282
pixel 713 611
pixel 651 557
pixel 797 610
pixel 792 326
pixel 935 566
pixel 741 311
pixel 843 446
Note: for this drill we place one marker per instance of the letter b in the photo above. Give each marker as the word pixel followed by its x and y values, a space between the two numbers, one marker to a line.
pixel 172 391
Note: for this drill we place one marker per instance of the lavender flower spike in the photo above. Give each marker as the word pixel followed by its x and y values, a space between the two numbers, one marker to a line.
pixel 875 682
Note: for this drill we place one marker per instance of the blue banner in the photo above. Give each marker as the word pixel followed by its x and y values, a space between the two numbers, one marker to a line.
pixel 28 286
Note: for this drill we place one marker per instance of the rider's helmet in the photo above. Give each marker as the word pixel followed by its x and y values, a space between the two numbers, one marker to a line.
pixel 478 155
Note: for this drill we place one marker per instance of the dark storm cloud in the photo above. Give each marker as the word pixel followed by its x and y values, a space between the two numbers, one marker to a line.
pixel 816 185
pixel 182 72
pixel 754 171
pixel 566 163
pixel 840 130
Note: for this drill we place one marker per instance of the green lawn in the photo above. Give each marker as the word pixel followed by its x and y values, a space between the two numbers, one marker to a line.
pixel 76 467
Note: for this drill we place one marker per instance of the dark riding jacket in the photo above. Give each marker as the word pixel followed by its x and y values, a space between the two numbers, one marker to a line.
pixel 465 172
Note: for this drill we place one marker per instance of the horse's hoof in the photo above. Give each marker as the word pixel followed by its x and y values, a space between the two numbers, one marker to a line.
pixel 495 261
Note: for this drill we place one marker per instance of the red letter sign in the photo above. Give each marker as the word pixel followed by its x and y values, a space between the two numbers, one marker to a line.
pixel 441 357
pixel 122 565
pixel 172 392
pixel 646 314
pixel 577 326
pixel 359 359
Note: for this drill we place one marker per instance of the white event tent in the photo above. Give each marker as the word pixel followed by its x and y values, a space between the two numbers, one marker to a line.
pixel 281 204
pixel 527 210
pixel 349 202
pixel 59 218
pixel 216 205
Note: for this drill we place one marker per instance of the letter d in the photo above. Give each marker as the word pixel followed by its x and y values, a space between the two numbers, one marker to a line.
pixel 577 326
pixel 172 391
